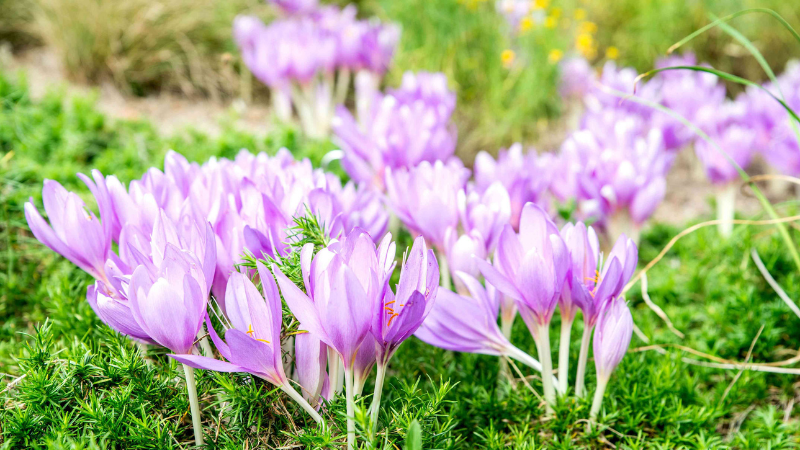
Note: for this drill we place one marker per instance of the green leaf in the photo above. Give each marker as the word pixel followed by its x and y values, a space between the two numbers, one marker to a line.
pixel 414 436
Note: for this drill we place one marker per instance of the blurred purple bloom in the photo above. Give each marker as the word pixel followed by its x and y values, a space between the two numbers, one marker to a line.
pixel 485 213
pixel 577 77
pixel 526 177
pixel 425 197
pixel 404 128
pixel 296 6
pixel 728 126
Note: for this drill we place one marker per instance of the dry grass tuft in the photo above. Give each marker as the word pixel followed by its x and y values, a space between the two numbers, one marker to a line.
pixel 146 45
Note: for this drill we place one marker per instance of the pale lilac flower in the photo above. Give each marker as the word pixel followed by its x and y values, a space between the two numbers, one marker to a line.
pixel 311 356
pixel 728 126
pixel 343 282
pixel 425 198
pixel 253 339
pixel 169 305
pixel 404 128
pixel 532 266
pixel 485 213
pixel 611 340
pixel 525 177
pixel 577 77
pixel 461 252
pixel 398 316
pixel 296 6
pixel 74 231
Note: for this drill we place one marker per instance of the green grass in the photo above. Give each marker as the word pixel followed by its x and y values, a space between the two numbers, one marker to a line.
pixel 86 387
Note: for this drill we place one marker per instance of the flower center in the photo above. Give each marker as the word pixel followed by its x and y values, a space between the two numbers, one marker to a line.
pixel 250 333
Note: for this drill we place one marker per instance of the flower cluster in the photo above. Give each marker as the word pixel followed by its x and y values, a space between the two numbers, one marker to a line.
pixel 397 130
pixel 308 56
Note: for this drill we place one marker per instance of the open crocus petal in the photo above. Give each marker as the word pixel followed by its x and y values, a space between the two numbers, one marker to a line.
pixel 206 363
pixel 114 312
pixel 257 356
pixel 301 306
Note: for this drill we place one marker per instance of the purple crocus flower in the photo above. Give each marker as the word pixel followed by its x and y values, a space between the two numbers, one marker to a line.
pixel 169 305
pixel 74 231
pixel 398 316
pixel 485 213
pixel 404 128
pixel 532 268
pixel 468 324
pixel 590 287
pixel 425 197
pixel 253 337
pixel 296 6
pixel 611 340
pixel 461 252
pixel 343 283
pixel 525 176
pixel 311 356
pixel 729 127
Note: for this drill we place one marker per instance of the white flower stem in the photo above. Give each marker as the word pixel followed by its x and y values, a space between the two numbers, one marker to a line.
pixel 726 206
pixel 528 360
pixel 597 402
pixel 291 392
pixel 335 370
pixel 342 83
pixel 444 270
pixel 351 425
pixel 375 408
pixel 543 343
pixel 563 354
pixel 582 359
pixel 191 387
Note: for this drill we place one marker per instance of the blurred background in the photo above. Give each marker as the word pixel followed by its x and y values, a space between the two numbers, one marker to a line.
pixel 183 54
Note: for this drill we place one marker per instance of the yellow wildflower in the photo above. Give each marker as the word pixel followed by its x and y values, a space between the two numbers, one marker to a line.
pixel 507 57
pixel 555 12
pixel 525 24
pixel 612 52
pixel 587 27
pixel 550 22
pixel 580 14
pixel 555 56
pixel 541 4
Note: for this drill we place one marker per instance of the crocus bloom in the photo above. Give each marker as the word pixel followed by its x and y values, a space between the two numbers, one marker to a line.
pixel 404 128
pixel 525 176
pixel 74 231
pixel 589 288
pixel 253 339
pixel 485 213
pixel 577 77
pixel 425 197
pixel 311 356
pixel 728 126
pixel 611 340
pixel 468 324
pixel 532 268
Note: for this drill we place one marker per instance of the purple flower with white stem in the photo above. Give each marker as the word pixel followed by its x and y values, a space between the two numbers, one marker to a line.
pixel 311 357
pixel 593 282
pixel 486 212
pixel 344 283
pixel 611 340
pixel 169 306
pixel 468 324
pixel 532 267
pixel 461 252
pixel 252 341
pixel 577 77
pixel 399 316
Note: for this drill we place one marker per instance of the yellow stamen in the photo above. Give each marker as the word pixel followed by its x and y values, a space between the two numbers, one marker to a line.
pixel 250 333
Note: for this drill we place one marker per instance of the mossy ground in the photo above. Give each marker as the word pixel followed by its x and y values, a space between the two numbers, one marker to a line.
pixel 69 382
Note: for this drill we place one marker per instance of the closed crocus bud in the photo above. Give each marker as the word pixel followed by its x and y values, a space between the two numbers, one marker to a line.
pixel 170 304
pixel 611 340
pixel 311 355
pixel 425 197
pixel 74 231
pixel 461 252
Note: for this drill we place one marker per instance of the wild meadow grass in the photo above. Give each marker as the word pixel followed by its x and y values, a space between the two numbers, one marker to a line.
pixel 68 381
